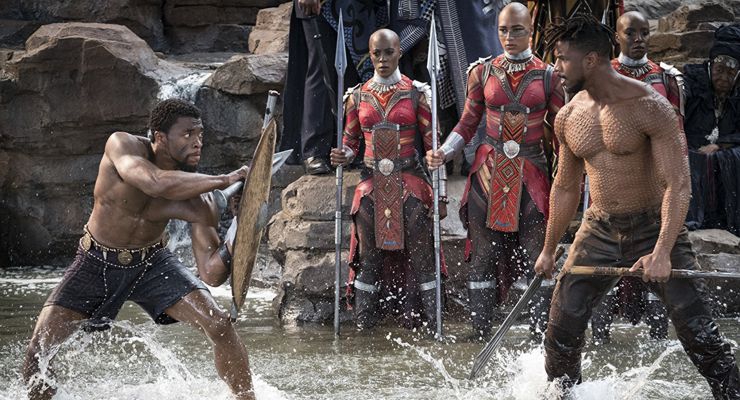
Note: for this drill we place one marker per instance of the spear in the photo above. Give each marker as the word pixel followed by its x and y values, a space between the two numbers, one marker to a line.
pixel 676 273
pixel 340 64
pixel 433 68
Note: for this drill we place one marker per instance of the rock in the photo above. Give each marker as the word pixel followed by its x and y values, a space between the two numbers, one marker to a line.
pixel 713 241
pixel 313 197
pixel 211 38
pixel 206 13
pixel 654 9
pixel 286 233
pixel 83 81
pixel 250 74
pixel 233 125
pixel 306 291
pixel 14 33
pixel 688 17
pixel 270 34
pixel 680 45
pixel 143 17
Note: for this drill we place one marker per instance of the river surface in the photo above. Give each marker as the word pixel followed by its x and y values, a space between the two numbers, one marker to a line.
pixel 137 359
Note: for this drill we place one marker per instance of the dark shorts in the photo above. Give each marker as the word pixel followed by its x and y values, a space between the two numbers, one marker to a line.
pixel 98 286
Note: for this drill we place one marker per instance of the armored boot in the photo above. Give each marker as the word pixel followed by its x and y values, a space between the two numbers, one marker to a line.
pixel 656 317
pixel 602 318
pixel 367 300
pixel 428 290
pixel 482 300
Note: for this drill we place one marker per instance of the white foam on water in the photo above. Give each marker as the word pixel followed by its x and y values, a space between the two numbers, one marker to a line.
pixel 129 362
pixel 183 87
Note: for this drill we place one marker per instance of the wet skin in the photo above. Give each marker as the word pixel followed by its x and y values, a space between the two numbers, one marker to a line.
pixel 141 186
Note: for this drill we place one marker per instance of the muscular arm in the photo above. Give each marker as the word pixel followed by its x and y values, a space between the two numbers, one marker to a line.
pixel 129 156
pixel 672 166
pixel 566 188
pixel 206 243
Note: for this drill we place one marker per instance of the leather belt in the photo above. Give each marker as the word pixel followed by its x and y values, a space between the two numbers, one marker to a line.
pixel 387 166
pixel 123 256
pixel 527 150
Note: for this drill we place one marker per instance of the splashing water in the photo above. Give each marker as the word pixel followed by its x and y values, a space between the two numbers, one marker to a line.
pixel 137 359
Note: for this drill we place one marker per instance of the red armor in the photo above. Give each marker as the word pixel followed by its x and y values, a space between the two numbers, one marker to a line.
pixel 516 105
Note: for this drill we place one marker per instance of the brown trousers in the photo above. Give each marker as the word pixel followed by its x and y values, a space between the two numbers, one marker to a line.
pixel 620 240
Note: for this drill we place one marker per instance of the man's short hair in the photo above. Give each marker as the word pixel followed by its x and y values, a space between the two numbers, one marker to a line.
pixel 166 113
pixel 583 32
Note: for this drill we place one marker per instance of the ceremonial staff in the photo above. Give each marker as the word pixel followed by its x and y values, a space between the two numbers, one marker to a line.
pixel 340 64
pixel 433 68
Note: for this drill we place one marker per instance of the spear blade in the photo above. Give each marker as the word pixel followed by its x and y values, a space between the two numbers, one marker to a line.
pixel 340 58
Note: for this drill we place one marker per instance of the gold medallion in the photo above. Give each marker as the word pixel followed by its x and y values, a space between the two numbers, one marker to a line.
pixel 125 257
pixel 86 241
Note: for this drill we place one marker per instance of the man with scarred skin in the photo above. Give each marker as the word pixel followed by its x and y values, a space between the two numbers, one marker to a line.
pixel 142 184
pixel 624 134
pixel 392 243
pixel 630 296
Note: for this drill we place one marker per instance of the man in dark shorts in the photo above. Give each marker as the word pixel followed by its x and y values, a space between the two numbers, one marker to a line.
pixel 141 185
pixel 625 136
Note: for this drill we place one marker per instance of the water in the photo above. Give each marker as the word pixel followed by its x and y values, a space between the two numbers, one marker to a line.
pixel 139 360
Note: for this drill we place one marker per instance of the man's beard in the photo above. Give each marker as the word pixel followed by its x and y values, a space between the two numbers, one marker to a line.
pixel 186 167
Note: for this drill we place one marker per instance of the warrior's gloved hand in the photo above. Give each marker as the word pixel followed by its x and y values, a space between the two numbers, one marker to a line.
pixel 435 159
pixel 338 157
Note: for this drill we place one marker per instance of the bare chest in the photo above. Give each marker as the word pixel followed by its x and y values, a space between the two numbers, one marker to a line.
pixel 616 130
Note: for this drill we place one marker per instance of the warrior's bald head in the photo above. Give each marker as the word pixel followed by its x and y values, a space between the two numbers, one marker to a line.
pixel 633 31
pixel 384 38
pixel 514 28
pixel 385 50
pixel 517 11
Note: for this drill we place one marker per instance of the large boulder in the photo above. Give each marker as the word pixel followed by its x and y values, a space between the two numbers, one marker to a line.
pixel 75 84
pixel 714 241
pixel 250 74
pixel 233 103
pixel 270 34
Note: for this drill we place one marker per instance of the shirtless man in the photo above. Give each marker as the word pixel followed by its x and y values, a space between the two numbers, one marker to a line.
pixel 141 185
pixel 624 133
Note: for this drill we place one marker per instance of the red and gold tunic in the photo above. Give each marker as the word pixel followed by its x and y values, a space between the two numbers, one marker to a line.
pixel 516 106
pixel 407 107
pixel 659 78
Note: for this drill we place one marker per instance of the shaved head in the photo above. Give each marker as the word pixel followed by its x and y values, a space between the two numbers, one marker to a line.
pixel 385 35
pixel 518 11
pixel 629 17
pixel 385 50
pixel 514 28
pixel 633 31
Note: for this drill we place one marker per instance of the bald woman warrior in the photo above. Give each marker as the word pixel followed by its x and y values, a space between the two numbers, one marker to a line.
pixel 505 204
pixel 624 134
pixel 392 245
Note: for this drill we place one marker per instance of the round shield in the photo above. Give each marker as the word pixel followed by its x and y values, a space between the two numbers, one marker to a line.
pixel 385 166
pixel 511 148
